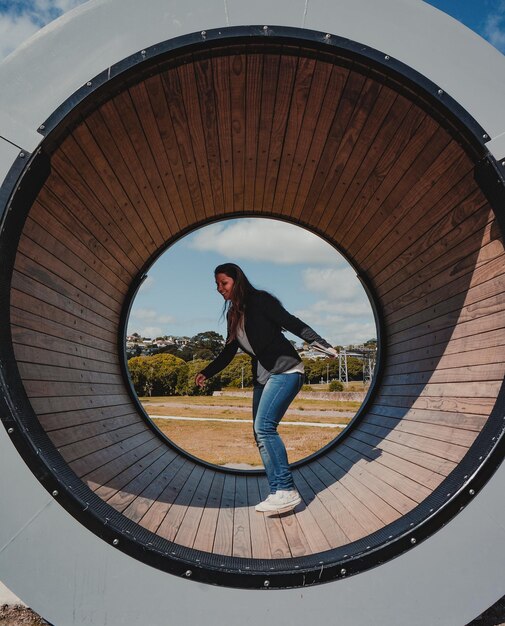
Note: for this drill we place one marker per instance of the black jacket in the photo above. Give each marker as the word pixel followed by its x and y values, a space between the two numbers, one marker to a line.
pixel 265 318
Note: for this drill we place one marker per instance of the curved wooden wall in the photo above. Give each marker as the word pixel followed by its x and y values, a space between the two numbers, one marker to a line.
pixel 287 133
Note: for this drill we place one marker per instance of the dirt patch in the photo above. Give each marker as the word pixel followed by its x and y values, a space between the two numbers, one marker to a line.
pixel 19 615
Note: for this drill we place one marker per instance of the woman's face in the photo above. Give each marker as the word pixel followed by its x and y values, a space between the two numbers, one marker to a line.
pixel 224 285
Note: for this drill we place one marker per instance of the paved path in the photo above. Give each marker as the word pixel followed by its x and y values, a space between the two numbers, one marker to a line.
pixel 225 419
pixel 247 409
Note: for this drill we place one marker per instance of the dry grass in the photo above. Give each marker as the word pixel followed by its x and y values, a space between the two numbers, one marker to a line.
pixel 223 443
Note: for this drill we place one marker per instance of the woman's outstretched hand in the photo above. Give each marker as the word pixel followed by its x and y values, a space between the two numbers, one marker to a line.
pixel 200 380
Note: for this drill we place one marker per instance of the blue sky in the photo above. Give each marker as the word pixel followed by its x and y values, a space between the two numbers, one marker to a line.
pixel 309 277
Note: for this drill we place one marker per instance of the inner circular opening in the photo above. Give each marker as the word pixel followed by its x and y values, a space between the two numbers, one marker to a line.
pixel 177 327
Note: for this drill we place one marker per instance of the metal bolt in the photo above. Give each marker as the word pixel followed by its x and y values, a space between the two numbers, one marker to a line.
pixel 10 430
pixel 440 92
pixel 327 36
pixel 115 542
pixel 413 540
pixel 387 57
pixel 265 28
pixel 55 493
pixel 188 573
pixel 472 492
pixel 503 163
pixel 484 136
pixel 22 155
pixel 203 33
pixel 41 127
pixel 142 52
pixel 266 583
pixel 343 571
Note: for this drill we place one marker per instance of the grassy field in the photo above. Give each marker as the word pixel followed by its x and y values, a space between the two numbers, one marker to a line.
pixel 232 442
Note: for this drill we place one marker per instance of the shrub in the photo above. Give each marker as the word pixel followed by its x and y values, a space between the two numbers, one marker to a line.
pixel 336 385
pixel 307 388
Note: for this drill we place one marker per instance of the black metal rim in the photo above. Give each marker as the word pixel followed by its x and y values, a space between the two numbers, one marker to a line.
pixel 483 458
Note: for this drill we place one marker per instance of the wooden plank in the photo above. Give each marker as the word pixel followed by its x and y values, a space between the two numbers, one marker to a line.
pixel 76 450
pixel 488 389
pixel 72 419
pixel 386 502
pixel 479 406
pixel 28 355
pixel 204 83
pixel 343 113
pixel 445 418
pixel 237 104
pixel 38 340
pixel 125 175
pixel 221 78
pixel 269 90
pixel 318 94
pixel 45 389
pixel 41 246
pixel 38 323
pixel 27 302
pixel 23 285
pixel 140 505
pixel 360 106
pixel 475 251
pixel 84 247
pixel 66 287
pixel 81 432
pixel 283 101
pixel 279 547
pixel 241 520
pixel 442 449
pixel 260 546
pixel 123 450
pixel 425 459
pixel 191 97
pixel 62 405
pixel 458 436
pixel 204 539
pixel 409 486
pixel 362 158
pixel 493 370
pixel 100 205
pixel 437 222
pixel 107 472
pixel 125 487
pixel 401 125
pixel 223 539
pixel 462 287
pixel 422 184
pixel 417 473
pixel 177 109
pixel 418 151
pixel 173 519
pixel 171 160
pixel 50 373
pixel 158 508
pixel 188 527
pixel 126 112
pixel 297 109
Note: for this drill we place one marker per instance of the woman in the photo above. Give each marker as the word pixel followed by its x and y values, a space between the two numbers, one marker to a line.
pixel 255 321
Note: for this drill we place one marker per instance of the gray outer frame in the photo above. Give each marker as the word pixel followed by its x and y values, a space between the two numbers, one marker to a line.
pixel 68 574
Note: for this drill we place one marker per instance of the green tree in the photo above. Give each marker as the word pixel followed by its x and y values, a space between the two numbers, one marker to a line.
pixel 159 375
pixel 211 384
pixel 231 376
pixel 208 340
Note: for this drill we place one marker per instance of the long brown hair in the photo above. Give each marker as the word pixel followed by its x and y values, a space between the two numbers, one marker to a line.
pixel 242 289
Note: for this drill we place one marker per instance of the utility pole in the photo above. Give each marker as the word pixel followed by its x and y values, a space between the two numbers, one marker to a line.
pixel 342 367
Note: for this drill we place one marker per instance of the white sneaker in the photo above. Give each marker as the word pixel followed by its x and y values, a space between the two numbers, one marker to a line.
pixel 261 506
pixel 280 502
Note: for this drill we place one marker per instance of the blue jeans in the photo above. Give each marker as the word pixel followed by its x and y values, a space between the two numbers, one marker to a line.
pixel 270 402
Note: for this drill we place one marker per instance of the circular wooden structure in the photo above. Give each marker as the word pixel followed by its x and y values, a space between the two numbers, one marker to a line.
pixel 273 122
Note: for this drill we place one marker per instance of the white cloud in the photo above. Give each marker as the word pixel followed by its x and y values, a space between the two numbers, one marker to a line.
pixel 13 31
pixel 144 315
pixel 494 27
pixel 341 311
pixel 262 239
pixel 148 331
pixel 23 19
